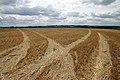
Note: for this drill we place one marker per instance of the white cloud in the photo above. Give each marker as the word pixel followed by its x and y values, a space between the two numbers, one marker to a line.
pixel 41 12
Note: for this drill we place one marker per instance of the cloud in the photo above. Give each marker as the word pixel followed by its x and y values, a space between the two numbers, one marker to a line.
pixel 98 2
pixel 73 14
pixel 21 11
pixel 8 2
pixel 42 12
pixel 8 19
pixel 106 2
pixel 14 2
pixel 48 11
pixel 112 15
pixel 12 21
pixel 56 19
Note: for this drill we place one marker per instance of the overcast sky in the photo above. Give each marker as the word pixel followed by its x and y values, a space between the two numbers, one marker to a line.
pixel 56 12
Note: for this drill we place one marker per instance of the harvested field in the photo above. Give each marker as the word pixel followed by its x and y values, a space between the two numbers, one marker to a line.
pixel 59 54
pixel 38 46
pixel 63 36
pixel 113 37
pixel 9 38
pixel 85 53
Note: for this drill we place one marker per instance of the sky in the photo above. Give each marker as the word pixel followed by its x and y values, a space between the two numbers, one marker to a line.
pixel 59 12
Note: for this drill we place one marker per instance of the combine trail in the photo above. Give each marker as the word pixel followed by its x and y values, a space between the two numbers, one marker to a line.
pixel 103 63
pixel 56 64
pixel 14 55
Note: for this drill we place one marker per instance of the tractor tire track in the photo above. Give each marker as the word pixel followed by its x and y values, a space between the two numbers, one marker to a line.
pixel 52 45
pixel 73 44
pixel 18 52
pixel 103 63
pixel 57 61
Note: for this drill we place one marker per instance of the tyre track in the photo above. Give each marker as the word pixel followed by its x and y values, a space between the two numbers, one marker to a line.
pixel 103 63
pixel 85 58
pixel 55 54
pixel 8 61
pixel 73 44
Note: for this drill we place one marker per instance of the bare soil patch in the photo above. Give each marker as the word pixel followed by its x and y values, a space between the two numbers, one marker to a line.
pixel 9 38
pixel 87 52
pixel 64 36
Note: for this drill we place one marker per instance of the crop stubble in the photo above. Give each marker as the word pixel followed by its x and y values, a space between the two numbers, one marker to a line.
pixel 113 37
pixel 9 38
pixel 64 36
pixel 85 54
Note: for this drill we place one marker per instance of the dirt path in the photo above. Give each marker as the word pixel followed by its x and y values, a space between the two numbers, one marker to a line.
pixel 56 64
pixel 103 63
pixel 15 55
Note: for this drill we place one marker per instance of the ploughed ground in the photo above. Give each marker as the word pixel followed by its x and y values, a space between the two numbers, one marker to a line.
pixel 9 38
pixel 59 54
pixel 113 38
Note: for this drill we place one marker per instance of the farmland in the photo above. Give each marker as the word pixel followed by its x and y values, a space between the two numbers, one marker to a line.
pixel 59 54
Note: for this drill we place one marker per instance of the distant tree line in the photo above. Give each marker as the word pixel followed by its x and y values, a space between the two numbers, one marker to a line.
pixel 67 26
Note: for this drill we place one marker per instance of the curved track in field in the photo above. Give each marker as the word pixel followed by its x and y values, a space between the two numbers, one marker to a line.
pixel 57 62
pixel 103 61
pixel 16 53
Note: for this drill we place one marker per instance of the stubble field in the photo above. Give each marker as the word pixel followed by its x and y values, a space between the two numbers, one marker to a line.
pixel 59 54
